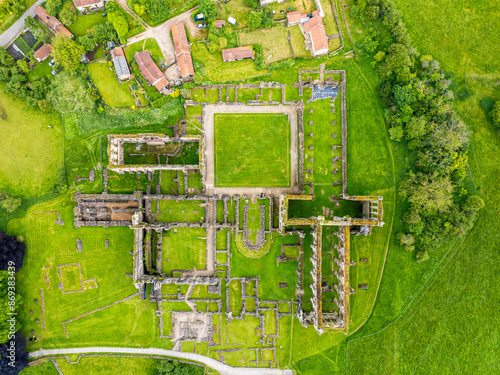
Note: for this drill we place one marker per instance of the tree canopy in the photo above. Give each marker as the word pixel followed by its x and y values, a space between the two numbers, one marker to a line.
pixel 67 52
pixel 68 94
pixel 11 250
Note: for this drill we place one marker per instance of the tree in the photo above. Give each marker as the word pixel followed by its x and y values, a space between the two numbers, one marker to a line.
pixel 67 17
pixel 422 256
pixel 267 17
pixel 8 202
pixel 121 25
pixel 379 56
pixel 396 133
pixel 372 12
pixel 417 128
pixel 69 95
pixel 495 114
pixel 112 7
pixel 429 193
pixel 254 20
pixel 473 203
pixel 452 135
pixel 251 3
pixel 21 357
pixel 11 250
pixel 103 31
pixel 5 58
pixel 45 105
pixel 17 86
pixel 208 9
pixel 23 66
pixel 67 52
pixel 158 10
pixel 88 42
pixel 54 6
pixel 139 9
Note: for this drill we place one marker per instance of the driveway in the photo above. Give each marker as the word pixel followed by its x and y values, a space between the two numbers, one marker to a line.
pixel 162 33
pixel 219 366
pixel 9 35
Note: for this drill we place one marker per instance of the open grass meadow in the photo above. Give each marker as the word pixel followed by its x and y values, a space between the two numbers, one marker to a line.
pixel 31 151
pixel 439 319
pixel 252 150
pixel 113 92
pixel 148 44
pixel 274 44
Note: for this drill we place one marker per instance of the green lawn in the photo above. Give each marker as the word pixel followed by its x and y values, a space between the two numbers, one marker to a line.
pixel 113 93
pixel 214 69
pixel 298 44
pixel 262 142
pixel 32 153
pixel 42 69
pixel 275 47
pixel 181 211
pixel 184 249
pixel 84 23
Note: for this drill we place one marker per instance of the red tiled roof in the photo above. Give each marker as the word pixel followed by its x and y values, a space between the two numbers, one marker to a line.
pixel 52 22
pixel 85 3
pixel 315 27
pixel 117 51
pixel 219 23
pixel 182 49
pixel 150 70
pixel 294 16
pixel 43 52
pixel 239 53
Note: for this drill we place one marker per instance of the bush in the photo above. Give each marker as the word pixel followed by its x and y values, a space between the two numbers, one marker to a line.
pixel 495 114
pixel 163 100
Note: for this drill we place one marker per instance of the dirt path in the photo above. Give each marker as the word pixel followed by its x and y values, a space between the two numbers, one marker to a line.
pixel 162 33
pixel 222 368
pixel 208 121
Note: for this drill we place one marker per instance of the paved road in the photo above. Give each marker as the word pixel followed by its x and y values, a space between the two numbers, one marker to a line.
pixel 9 35
pixel 208 123
pixel 219 366
pixel 162 33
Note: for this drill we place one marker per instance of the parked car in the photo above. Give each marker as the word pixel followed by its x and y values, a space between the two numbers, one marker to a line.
pixel 104 14
pixel 199 17
pixel 52 63
pixel 202 25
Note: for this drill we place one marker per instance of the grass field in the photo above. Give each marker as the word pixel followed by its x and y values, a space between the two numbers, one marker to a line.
pixel 84 23
pixel 148 44
pixel 113 93
pixel 298 44
pixel 275 47
pixel 31 153
pixel 181 211
pixel 262 142
pixel 184 249
pixel 440 316
pixel 216 70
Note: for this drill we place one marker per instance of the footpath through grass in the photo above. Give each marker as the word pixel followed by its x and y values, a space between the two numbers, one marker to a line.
pixel 252 150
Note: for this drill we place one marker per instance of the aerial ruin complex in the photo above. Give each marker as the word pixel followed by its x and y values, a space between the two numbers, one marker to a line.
pixel 139 211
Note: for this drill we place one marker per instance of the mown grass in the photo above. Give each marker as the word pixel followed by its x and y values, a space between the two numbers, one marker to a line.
pixel 84 23
pixel 275 47
pixel 298 42
pixel 185 249
pixel 31 152
pixel 181 211
pixel 148 44
pixel 262 145
pixel 114 93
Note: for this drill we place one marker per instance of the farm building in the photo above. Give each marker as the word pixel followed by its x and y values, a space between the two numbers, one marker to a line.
pixel 85 6
pixel 151 72
pixel 315 29
pixel 295 18
pixel 43 52
pixel 120 62
pixel 182 50
pixel 52 22
pixel 219 24
pixel 239 53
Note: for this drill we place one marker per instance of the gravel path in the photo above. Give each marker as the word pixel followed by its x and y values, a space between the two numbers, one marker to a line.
pixel 219 366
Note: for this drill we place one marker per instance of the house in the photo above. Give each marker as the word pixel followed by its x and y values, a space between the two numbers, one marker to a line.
pixel 239 53
pixel 151 72
pixel 52 22
pixel 182 50
pixel 85 6
pixel 315 29
pixel 295 18
pixel 219 24
pixel 120 62
pixel 43 52
pixel 231 20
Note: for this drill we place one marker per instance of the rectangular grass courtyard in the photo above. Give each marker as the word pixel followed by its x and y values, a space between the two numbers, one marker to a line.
pixel 252 150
